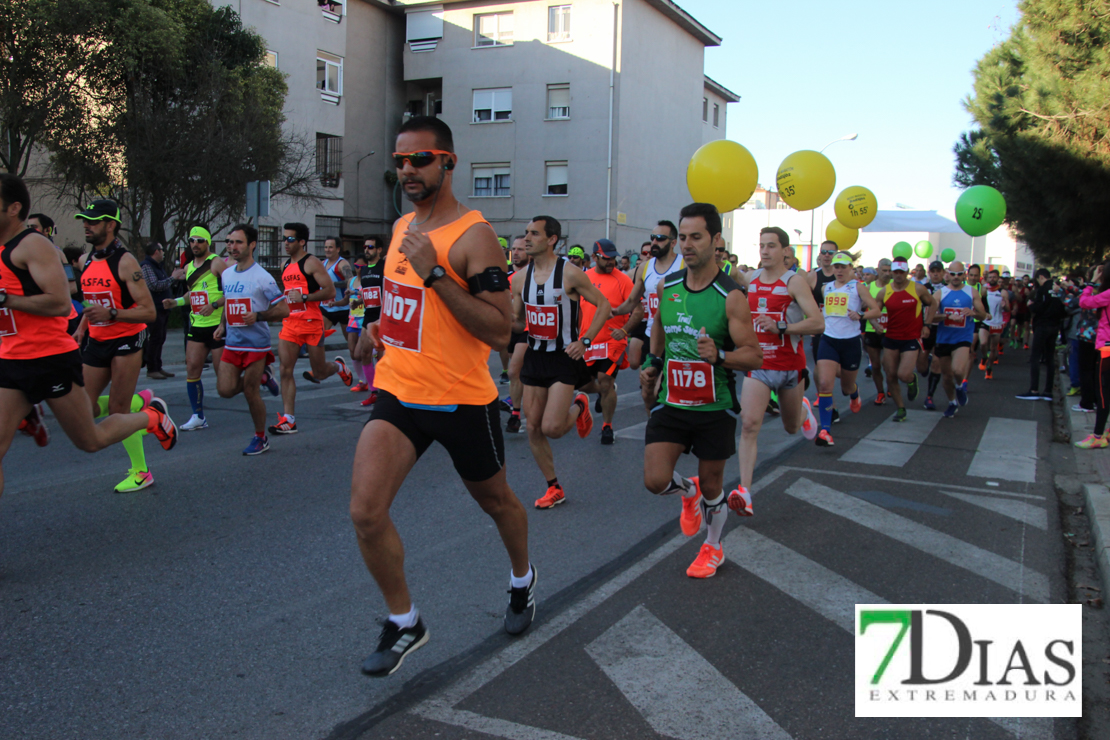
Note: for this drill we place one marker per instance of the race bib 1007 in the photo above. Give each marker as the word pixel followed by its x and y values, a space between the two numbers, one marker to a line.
pixel 402 318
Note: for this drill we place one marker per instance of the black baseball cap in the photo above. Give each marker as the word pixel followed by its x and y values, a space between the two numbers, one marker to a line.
pixel 605 247
pixel 99 210
pixel 936 265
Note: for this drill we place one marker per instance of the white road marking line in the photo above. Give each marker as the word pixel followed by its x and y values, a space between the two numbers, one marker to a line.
pixel 834 597
pixel 441 707
pixel 1007 450
pixel 893 443
pixel 307 393
pixel 667 681
pixel 927 483
pixel 1003 571
pixel 829 594
pixel 1034 516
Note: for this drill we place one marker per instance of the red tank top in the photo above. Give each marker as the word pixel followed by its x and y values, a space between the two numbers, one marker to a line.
pixel 903 311
pixel 26 336
pixel 294 277
pixel 101 284
pixel 780 352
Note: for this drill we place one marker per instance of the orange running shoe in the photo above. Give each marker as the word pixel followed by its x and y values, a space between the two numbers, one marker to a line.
pixel 360 387
pixel 160 424
pixel 585 420
pixel 990 375
pixel 880 399
pixel 553 497
pixel 344 374
pixel 706 563
pixel 824 439
pixel 690 518
pixel 982 365
pixel 740 501
pixel 855 404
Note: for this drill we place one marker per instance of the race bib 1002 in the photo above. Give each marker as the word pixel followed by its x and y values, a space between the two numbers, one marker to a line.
pixel 541 322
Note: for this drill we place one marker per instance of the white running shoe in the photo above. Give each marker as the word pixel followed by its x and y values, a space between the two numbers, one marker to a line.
pixel 809 426
pixel 195 422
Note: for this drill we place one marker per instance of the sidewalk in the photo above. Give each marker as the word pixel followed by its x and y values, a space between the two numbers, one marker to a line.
pixel 1093 469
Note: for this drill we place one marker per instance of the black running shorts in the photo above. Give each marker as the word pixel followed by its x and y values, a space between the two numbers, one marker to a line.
pixel 545 369
pixel 100 354
pixel 946 350
pixel 52 376
pixel 205 335
pixel 516 338
pixel 470 434
pixel 710 435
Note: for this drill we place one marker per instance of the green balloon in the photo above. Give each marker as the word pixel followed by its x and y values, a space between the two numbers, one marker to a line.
pixel 923 249
pixel 948 255
pixel 903 250
pixel 980 210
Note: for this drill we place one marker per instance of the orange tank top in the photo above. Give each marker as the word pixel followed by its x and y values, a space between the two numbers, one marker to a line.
pixel 27 336
pixel 294 277
pixel 430 358
pixel 100 283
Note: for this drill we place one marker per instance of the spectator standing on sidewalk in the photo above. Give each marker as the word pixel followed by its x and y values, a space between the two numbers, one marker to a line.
pixel 1087 356
pixel 1096 298
pixel 159 283
pixel 1048 313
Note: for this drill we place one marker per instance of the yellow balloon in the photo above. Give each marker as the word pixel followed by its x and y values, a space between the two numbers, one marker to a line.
pixel 806 179
pixel 723 173
pixel 856 207
pixel 841 234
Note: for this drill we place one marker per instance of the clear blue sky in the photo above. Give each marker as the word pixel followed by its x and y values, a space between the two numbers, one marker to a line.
pixel 896 73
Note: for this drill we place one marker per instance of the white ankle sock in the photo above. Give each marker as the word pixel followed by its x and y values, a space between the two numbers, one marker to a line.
pixel 523 581
pixel 404 621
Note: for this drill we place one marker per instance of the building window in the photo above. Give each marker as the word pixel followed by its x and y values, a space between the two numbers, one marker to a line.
pixel 492 181
pixel 558 23
pixel 269 59
pixel 556 178
pixel 704 109
pixel 332 9
pixel 325 226
pixel 558 101
pixel 494 104
pixel 716 115
pixel 329 75
pixel 329 159
pixel 269 250
pixel 493 29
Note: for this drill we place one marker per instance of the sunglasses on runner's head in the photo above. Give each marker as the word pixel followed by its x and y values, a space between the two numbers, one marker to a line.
pixel 195 240
pixel 660 237
pixel 417 159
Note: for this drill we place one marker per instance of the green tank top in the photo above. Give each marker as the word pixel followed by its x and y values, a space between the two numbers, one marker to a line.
pixel 683 313
pixel 204 287
pixel 875 288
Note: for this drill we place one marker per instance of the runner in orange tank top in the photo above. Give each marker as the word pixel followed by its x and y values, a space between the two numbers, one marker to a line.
pixel 445 304
pixel 118 305
pixel 306 283
pixel 39 361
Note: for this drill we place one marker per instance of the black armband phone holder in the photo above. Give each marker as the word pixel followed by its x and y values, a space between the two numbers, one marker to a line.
pixel 491 279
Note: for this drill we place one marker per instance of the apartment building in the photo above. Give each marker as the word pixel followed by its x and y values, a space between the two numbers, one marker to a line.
pixel 587 111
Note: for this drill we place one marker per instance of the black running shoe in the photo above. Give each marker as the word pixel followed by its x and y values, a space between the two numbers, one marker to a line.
pixel 867 372
pixel 522 607
pixel 835 416
pixel 504 380
pixel 394 644
pixel 307 375
pixel 512 426
pixel 606 434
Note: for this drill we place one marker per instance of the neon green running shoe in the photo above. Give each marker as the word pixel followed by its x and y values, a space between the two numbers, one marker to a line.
pixel 1092 442
pixel 136 480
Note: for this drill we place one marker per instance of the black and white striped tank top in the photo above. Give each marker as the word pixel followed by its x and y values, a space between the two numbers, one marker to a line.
pixel 551 317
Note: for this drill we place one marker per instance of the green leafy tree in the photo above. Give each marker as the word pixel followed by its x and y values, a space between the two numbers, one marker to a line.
pixel 201 116
pixel 1041 102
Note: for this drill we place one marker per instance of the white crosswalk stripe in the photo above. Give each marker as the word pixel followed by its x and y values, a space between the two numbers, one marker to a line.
pixel 1034 516
pixel 892 443
pixel 1007 451
pixel 1002 571
pixel 667 681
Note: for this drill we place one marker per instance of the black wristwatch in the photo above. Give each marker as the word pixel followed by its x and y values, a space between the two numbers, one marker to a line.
pixel 782 327
pixel 112 313
pixel 436 273
pixel 585 341
pixel 720 358
pixel 3 297
pixel 653 361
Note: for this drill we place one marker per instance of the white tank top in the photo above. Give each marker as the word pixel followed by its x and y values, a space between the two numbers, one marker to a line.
pixel 837 303
pixel 551 317
pixel 994 307
pixel 651 281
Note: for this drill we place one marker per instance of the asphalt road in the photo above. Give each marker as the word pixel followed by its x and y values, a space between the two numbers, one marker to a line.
pixel 230 599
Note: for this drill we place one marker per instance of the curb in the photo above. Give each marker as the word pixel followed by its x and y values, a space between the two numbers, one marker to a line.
pixel 1097 500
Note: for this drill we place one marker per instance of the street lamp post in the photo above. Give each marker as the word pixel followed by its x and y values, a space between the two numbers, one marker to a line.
pixel 847 137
